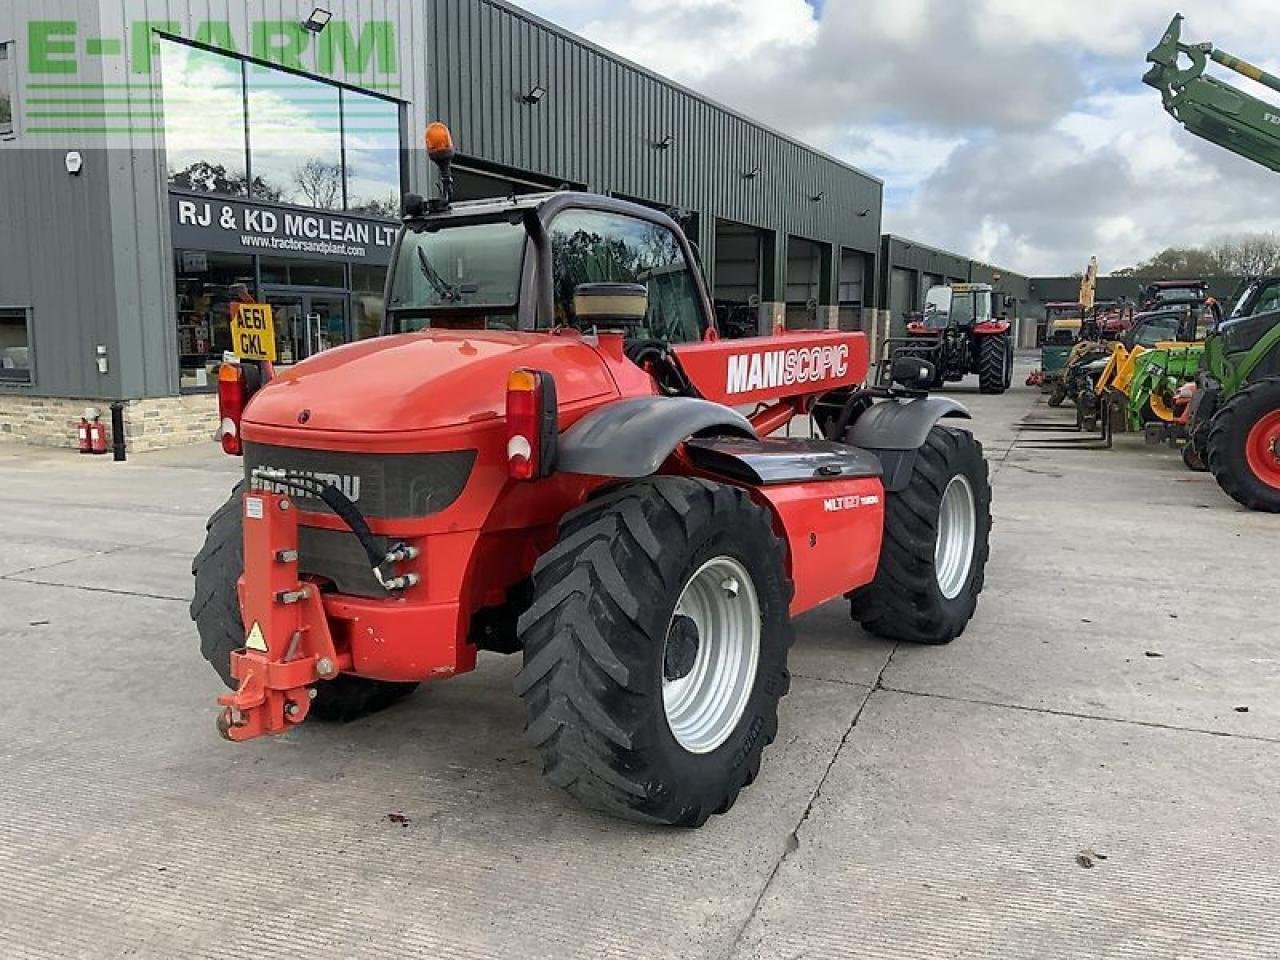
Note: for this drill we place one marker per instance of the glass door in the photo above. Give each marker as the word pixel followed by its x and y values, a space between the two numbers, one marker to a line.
pixel 308 323
pixel 288 311
pixel 328 321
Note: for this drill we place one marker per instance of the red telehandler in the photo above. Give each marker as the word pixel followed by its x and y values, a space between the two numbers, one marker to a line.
pixel 542 456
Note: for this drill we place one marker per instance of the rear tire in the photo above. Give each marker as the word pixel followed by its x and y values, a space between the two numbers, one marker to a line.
pixel 216 612
pixel 609 666
pixel 1244 443
pixel 924 592
pixel 995 370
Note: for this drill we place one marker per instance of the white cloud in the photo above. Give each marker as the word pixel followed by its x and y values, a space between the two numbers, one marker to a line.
pixel 1013 130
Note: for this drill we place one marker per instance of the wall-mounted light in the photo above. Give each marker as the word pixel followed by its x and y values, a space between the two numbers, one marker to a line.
pixel 819 197
pixel 74 162
pixel 665 143
pixel 535 94
pixel 865 213
pixel 752 173
pixel 318 20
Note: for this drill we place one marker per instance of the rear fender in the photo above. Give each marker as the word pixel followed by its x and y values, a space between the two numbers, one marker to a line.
pixel 633 438
pixel 994 327
pixel 896 430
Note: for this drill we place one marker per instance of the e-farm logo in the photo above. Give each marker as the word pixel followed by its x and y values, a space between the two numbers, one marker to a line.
pixel 63 56
pixel 60 48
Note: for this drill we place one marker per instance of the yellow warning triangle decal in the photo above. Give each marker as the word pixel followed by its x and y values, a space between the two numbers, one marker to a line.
pixel 255 640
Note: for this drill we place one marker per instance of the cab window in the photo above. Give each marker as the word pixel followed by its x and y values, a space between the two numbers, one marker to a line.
pixel 1157 331
pixel 591 246
pixel 1268 300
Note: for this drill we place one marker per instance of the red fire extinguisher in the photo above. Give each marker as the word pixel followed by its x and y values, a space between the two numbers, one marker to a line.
pixel 97 437
pixel 82 432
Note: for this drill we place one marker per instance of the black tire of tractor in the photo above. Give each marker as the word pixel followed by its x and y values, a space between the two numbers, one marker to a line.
pixel 905 602
pixel 595 641
pixel 1228 434
pixel 994 371
pixel 1192 458
pixel 216 612
pixel 1195 452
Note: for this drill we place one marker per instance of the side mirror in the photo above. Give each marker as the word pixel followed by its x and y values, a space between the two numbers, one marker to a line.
pixel 913 373
pixel 611 306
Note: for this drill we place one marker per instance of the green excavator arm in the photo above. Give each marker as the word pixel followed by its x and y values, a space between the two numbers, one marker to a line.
pixel 1209 108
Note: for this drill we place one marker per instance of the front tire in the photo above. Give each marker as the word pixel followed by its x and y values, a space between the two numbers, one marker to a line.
pixel 655 651
pixel 1244 446
pixel 936 542
pixel 216 612
pixel 995 364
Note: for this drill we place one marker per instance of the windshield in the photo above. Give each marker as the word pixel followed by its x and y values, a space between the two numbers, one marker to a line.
pixel 466 276
pixel 1263 298
pixel 944 305
pixel 1178 295
pixel 1154 330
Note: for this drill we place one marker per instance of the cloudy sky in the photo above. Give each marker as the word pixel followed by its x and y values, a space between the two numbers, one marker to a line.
pixel 1016 131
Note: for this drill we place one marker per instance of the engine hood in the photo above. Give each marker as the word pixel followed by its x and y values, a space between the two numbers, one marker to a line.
pixel 422 381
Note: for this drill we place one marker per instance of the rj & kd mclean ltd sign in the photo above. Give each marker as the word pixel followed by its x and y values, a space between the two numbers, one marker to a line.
pixel 232 226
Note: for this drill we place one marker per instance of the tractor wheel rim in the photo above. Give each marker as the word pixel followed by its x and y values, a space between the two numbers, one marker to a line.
pixel 1262 449
pixel 703 707
pixel 957 533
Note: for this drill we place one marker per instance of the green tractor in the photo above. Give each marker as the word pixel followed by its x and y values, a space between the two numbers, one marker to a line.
pixel 1234 421
pixel 1233 429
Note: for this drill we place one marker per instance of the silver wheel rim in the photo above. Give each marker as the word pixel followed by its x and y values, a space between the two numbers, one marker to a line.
pixel 957 527
pixel 704 706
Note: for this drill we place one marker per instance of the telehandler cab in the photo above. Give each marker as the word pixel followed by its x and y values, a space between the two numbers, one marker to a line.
pixel 543 456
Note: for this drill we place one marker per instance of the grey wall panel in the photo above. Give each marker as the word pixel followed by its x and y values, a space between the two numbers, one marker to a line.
pixel 54 261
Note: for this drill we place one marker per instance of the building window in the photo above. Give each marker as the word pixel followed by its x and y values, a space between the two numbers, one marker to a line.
pixel 203 96
pixel 6 90
pixel 16 364
pixel 207 284
pixel 295 140
pixel 371 132
pixel 594 247
pixel 244 129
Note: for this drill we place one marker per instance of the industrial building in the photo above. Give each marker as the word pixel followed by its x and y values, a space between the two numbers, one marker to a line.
pixel 908 268
pixel 162 160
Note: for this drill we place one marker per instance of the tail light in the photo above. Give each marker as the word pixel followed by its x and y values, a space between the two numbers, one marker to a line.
pixel 231 401
pixel 532 424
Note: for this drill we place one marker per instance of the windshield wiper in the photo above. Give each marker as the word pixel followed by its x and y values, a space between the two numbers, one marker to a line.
pixel 447 293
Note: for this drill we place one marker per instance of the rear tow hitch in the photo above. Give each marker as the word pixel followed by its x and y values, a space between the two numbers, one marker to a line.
pixel 288 646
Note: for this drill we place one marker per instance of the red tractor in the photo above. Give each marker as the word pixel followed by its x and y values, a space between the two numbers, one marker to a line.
pixel 958 335
pixel 543 456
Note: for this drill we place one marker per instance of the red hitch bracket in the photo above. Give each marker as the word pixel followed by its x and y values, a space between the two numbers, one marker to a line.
pixel 288 644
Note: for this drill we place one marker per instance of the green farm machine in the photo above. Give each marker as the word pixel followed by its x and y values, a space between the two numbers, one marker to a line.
pixel 1233 423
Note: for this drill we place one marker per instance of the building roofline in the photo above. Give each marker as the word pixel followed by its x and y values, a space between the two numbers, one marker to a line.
pixel 1004 271
pixel 586 44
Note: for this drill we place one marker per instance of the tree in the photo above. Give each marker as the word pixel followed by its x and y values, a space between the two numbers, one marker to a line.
pixel 388 208
pixel 320 182
pixel 205 177
pixel 1250 254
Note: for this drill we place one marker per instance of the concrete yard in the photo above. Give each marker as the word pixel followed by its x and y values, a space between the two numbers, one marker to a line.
pixel 1114 703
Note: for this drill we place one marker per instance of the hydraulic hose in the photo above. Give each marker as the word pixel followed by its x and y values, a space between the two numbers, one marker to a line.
pixel 342 506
